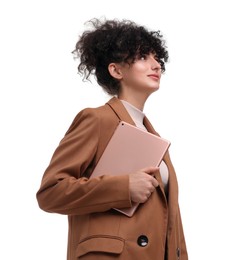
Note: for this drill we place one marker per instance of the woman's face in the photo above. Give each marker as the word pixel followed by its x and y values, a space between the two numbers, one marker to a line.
pixel 141 76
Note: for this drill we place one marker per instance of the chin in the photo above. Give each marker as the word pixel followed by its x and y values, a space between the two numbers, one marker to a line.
pixel 155 88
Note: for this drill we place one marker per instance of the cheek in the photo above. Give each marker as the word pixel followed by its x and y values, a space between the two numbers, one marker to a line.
pixel 140 67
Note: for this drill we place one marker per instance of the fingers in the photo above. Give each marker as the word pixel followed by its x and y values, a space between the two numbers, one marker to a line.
pixel 142 184
pixel 148 195
pixel 150 170
pixel 155 182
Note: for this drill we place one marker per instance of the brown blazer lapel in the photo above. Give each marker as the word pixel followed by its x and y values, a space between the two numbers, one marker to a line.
pixel 149 127
pixel 173 186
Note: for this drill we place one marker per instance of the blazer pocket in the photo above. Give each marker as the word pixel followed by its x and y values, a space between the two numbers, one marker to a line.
pixel 103 244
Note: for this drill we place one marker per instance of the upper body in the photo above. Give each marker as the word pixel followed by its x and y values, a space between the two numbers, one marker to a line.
pixel 93 225
pixel 96 231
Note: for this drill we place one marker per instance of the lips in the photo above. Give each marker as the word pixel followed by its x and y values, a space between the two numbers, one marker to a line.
pixel 154 76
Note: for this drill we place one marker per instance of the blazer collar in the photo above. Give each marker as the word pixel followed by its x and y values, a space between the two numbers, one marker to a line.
pixel 149 126
pixel 119 109
pixel 123 115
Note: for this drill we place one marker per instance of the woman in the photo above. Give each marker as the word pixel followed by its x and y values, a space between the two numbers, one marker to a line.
pixel 127 61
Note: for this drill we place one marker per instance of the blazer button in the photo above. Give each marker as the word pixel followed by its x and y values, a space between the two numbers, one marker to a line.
pixel 142 241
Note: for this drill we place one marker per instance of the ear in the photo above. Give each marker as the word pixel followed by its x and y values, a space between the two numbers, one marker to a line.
pixel 115 70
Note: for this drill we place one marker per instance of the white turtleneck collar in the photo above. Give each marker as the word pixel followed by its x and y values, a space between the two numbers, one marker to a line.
pixel 136 114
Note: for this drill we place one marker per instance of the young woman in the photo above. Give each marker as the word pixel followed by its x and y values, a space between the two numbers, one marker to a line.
pixel 127 60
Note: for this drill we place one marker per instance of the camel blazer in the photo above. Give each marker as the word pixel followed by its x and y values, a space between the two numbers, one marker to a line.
pixel 96 231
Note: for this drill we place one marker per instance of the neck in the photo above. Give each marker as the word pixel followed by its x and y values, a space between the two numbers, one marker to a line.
pixel 137 101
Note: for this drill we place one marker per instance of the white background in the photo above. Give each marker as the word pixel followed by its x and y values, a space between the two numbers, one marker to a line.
pixel 41 93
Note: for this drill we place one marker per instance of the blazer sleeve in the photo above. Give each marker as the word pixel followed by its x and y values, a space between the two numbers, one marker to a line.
pixel 63 188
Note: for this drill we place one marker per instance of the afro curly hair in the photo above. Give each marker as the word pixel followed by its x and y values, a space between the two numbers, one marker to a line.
pixel 116 41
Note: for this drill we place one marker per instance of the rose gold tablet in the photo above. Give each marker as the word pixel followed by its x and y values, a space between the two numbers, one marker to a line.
pixel 129 150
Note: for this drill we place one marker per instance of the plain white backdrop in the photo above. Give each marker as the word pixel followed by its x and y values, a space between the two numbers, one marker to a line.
pixel 41 93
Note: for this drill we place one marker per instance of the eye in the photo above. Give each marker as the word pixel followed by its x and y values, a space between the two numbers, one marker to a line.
pixel 142 57
pixel 156 58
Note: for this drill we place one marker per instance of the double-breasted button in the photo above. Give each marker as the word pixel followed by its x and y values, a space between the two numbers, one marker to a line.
pixel 178 252
pixel 142 241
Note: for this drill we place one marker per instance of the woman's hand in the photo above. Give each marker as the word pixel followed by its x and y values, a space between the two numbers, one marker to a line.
pixel 142 184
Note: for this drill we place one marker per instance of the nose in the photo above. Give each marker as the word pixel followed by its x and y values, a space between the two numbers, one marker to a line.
pixel 155 65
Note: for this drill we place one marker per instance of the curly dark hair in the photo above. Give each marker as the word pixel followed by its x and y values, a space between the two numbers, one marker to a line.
pixel 116 41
